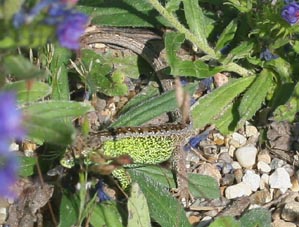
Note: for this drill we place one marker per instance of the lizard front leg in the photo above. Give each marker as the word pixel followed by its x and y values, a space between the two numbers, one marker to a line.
pixel 179 162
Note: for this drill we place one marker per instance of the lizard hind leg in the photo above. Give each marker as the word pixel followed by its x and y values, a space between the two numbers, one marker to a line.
pixel 123 177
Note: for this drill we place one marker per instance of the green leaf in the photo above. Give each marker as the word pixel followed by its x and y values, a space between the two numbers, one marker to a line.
pixel 125 13
pixel 58 68
pixel 106 214
pixel 196 69
pixel 225 222
pixel 173 42
pixel 28 92
pixel 227 35
pixel 164 176
pixel 68 211
pixel 151 90
pixel 50 130
pixel 180 67
pixel 258 217
pixel 255 95
pixel 9 8
pixel 287 111
pixel 27 165
pixel 164 209
pixel 196 20
pixel 150 109
pixel 47 121
pixel 227 122
pixel 173 5
pixel 203 186
pixel 101 76
pixel 21 68
pixel 57 109
pixel 28 36
pixel 212 105
pixel 243 50
pixel 138 208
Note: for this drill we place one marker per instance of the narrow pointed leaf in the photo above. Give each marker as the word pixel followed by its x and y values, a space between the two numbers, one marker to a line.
pixel 209 107
pixel 255 95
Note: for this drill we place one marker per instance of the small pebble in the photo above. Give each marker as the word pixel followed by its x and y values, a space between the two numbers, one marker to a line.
pixel 246 155
pixel 295 184
pixel 263 167
pixel 276 163
pixel 238 140
pixel 264 156
pixel 236 165
pixel 264 181
pixel 237 190
pixel 209 170
pixel 261 197
pixel 231 150
pixel 252 179
pixel 238 175
pixel 225 157
pixel 282 223
pixel 290 169
pixel 280 179
pixel 290 212
pixel 3 215
pixel 227 179
pixel 250 130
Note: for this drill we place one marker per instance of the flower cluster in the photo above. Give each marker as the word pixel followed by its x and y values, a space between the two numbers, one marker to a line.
pixel 10 128
pixel 69 23
pixel 290 13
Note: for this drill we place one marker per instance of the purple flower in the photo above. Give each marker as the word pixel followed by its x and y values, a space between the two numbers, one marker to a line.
pixel 10 128
pixel 70 24
pixel 290 13
pixel 10 117
pixel 267 55
pixel 9 167
pixel 70 30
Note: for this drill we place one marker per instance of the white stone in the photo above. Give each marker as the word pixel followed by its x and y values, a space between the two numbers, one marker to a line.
pixel 264 156
pixel 238 139
pixel 263 167
pixel 237 190
pixel 236 165
pixel 264 181
pixel 280 179
pixel 252 179
pixel 231 150
pixel 251 131
pixel 290 212
pixel 246 155
pixel 276 163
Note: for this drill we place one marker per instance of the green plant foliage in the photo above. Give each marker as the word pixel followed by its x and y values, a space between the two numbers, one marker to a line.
pixel 28 92
pixel 227 35
pixel 137 208
pixel 196 20
pixel 252 100
pixel 163 207
pixel 106 214
pixel 22 68
pixel 133 13
pixel 43 119
pixel 258 217
pixel 157 106
pixel 210 107
pixel 225 222
pixel 58 67
pixel 203 186
pixel 27 165
pixel 68 210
